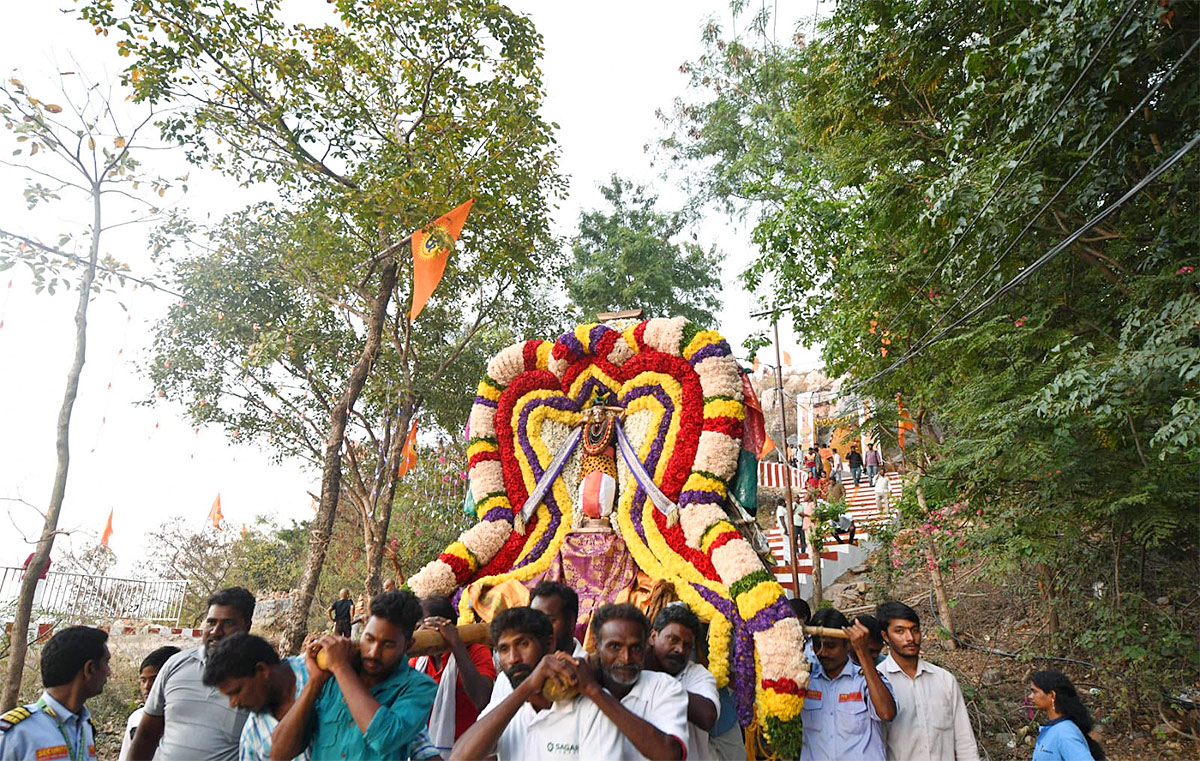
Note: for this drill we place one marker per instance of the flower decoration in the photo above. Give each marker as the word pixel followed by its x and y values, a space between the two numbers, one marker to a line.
pixel 681 392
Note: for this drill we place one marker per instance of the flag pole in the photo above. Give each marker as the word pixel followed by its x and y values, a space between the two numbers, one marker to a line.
pixel 787 467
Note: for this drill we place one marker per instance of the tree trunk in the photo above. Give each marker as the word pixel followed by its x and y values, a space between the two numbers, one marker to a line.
pixel 814 553
pixel 1045 582
pixel 41 556
pixel 935 577
pixel 331 475
pixel 386 485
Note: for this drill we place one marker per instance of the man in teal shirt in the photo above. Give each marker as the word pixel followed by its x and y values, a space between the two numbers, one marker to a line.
pixel 370 713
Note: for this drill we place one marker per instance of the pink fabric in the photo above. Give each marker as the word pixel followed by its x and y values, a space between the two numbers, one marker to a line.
pixel 597 566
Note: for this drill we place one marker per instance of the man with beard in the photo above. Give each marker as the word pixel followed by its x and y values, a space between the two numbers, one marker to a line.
pixel 183 718
pixel 374 711
pixel 628 713
pixel 248 671
pixel 676 629
pixel 846 704
pixel 520 723
pixel 931 717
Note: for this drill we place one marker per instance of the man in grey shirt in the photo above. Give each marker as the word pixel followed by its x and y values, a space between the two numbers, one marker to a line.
pixel 185 720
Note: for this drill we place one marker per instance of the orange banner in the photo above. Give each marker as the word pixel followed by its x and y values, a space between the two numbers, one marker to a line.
pixel 431 249
pixel 215 515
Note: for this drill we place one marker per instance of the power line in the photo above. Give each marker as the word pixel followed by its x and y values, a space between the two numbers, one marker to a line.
pixel 1028 149
pixel 1041 261
pixel 1029 225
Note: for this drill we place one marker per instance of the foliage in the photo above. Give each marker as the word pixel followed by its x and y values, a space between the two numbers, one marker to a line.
pixel 368 127
pixel 899 172
pixel 258 558
pixel 627 260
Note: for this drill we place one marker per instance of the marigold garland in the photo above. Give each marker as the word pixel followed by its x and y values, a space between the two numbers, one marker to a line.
pixel 682 391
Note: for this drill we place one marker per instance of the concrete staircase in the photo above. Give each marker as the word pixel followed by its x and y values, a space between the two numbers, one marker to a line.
pixel 837 558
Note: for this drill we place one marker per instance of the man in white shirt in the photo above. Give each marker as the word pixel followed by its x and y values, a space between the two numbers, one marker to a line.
pixel 520 722
pixel 883 492
pixel 628 713
pixel 931 721
pixel 147 673
pixel 672 642
pixel 781 521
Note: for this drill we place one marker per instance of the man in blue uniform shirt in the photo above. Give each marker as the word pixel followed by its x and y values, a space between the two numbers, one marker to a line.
pixel 846 704
pixel 74 668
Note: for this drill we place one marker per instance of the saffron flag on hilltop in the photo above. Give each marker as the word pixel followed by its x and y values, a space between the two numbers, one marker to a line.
pixel 431 248
pixel 108 530
pixel 215 515
pixel 408 455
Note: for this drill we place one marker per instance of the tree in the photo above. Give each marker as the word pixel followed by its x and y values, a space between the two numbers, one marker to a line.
pixel 86 156
pixel 908 162
pixel 369 127
pixel 627 259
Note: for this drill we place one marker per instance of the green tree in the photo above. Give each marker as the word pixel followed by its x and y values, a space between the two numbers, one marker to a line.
pixel 907 162
pixel 629 259
pixel 369 127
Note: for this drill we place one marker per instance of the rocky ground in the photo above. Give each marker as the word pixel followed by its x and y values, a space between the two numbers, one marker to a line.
pixel 997 619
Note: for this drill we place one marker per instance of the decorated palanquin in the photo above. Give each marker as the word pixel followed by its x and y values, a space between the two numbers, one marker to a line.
pixel 603 460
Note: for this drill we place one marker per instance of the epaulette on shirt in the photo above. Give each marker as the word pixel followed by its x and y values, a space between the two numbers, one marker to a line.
pixel 13 718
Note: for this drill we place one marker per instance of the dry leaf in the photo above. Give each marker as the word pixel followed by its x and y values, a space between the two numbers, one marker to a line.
pixel 53 108
pixel 119 142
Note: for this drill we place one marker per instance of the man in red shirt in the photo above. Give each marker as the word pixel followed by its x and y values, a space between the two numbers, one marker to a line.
pixel 459 700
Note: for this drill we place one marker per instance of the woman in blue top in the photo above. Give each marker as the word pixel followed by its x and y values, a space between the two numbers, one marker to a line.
pixel 1064 737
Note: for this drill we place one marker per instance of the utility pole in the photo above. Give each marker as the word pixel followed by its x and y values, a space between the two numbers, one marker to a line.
pixel 787 482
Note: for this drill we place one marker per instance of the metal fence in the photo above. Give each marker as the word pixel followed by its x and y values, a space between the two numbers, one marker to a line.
pixel 80 597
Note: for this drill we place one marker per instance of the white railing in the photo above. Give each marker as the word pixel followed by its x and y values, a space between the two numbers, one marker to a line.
pixel 95 599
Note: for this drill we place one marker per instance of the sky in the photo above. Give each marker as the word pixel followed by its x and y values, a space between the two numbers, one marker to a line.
pixel 608 67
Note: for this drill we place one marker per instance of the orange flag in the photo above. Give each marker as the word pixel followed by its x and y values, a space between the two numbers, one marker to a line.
pixel 108 532
pixel 215 515
pixel 787 359
pixel 906 422
pixel 409 453
pixel 430 251
pixel 756 364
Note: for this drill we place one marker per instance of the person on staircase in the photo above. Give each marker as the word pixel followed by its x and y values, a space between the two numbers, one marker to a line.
pixel 855 461
pixel 874 462
pixel 883 493
pixel 835 465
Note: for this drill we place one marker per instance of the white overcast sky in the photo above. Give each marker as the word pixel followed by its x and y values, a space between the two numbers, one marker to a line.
pixel 607 67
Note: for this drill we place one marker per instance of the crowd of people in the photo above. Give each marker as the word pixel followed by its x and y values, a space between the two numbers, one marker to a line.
pixel 643 693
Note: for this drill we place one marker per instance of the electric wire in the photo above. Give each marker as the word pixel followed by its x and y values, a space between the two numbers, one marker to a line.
pixel 1062 188
pixel 1040 262
pixel 1025 154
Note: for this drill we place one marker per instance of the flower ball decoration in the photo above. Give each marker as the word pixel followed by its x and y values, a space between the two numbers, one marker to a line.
pixel 681 391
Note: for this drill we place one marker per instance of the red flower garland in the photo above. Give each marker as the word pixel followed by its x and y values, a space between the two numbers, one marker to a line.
pixel 530 380
pixel 690 412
